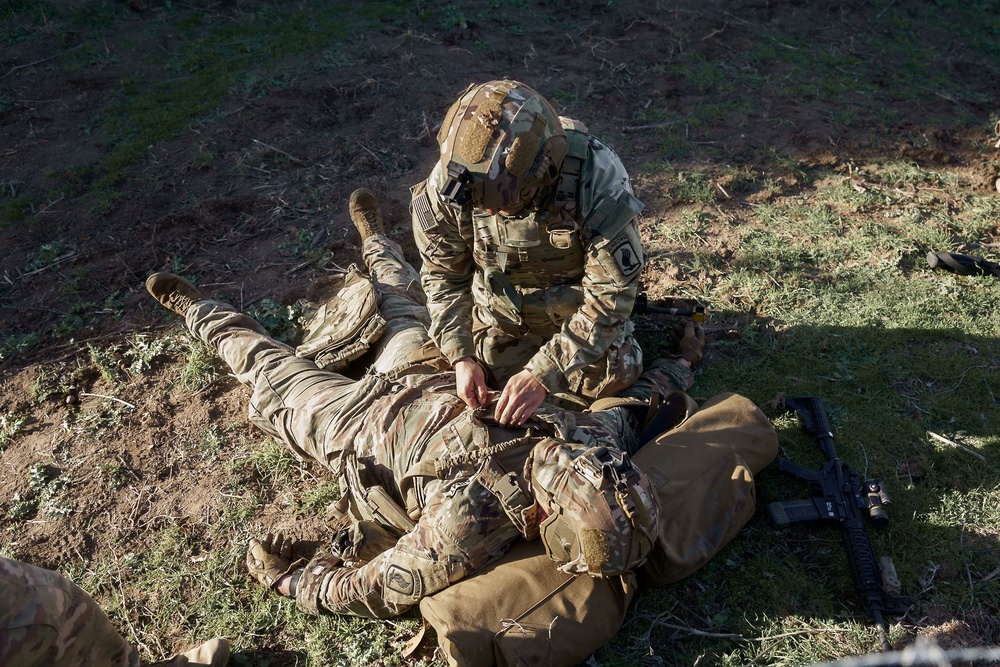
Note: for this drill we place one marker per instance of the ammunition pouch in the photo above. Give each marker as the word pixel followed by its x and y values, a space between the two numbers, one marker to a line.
pixel 364 500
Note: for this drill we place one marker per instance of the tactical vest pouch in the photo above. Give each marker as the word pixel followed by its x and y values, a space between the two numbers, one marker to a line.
pixel 346 326
pixel 702 471
pixel 526 612
pixel 517 232
pixel 502 299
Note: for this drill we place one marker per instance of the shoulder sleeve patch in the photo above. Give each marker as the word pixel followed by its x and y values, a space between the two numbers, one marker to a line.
pixel 622 258
pixel 409 577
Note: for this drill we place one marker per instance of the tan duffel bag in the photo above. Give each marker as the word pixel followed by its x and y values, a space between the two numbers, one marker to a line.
pixel 702 471
pixel 522 611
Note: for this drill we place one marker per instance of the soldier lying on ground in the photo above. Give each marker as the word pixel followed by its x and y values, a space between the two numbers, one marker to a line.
pixel 437 490
pixel 531 254
pixel 48 621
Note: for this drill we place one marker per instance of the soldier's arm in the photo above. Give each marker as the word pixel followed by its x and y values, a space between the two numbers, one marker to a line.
pixel 446 272
pixel 610 285
pixel 665 375
pixel 460 530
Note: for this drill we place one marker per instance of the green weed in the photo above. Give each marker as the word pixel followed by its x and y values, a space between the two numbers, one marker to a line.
pixel 693 187
pixel 109 361
pixel 13 345
pixel 52 382
pixel 316 498
pixel 47 485
pixel 304 244
pixel 46 254
pixel 113 474
pixel 212 442
pixel 268 462
pixel 686 229
pixel 202 366
pixel 284 323
pixel 144 351
pixel 15 209
pixel 10 425
pixel 452 16
pixel 107 414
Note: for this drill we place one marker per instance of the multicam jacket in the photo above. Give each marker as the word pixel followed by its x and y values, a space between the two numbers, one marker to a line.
pixel 563 274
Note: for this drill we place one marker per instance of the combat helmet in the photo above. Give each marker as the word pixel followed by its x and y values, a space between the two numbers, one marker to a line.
pixel 499 141
pixel 599 511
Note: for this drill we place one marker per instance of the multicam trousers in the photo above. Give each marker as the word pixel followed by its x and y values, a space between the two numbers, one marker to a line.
pixel 315 412
pixel 507 355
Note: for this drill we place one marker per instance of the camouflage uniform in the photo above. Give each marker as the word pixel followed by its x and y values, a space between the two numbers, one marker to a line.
pixel 549 291
pixel 401 414
pixel 47 620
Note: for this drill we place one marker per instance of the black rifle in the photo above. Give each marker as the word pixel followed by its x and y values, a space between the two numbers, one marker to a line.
pixel 837 495
pixel 642 305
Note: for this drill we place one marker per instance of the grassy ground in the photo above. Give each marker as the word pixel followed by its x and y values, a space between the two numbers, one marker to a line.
pixel 794 181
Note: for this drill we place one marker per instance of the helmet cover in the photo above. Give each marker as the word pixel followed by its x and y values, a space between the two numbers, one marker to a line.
pixel 499 141
pixel 600 511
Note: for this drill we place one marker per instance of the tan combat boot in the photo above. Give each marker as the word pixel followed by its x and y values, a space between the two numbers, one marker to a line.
pixel 366 213
pixel 173 292
pixel 213 653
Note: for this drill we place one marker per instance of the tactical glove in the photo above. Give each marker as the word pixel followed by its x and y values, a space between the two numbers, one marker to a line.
pixel 692 343
pixel 271 560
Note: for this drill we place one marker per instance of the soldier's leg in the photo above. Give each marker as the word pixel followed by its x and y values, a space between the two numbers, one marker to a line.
pixel 504 356
pixel 293 400
pixel 46 619
pixel 402 303
pixel 617 370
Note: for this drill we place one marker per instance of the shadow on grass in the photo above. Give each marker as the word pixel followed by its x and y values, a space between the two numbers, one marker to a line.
pixel 787 596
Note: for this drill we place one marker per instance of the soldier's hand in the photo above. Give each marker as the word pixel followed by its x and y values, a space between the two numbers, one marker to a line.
pixel 471 382
pixel 692 343
pixel 519 399
pixel 270 560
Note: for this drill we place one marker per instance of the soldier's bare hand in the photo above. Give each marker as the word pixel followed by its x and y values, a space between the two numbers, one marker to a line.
pixel 471 382
pixel 520 398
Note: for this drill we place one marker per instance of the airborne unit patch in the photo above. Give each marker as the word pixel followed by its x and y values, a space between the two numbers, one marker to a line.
pixel 400 580
pixel 628 258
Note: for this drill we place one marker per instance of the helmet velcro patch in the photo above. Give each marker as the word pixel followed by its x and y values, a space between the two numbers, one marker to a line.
pixel 480 131
pixel 524 150
pixel 596 553
pixel 522 154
